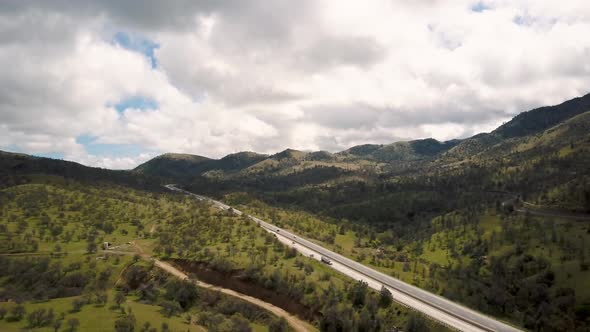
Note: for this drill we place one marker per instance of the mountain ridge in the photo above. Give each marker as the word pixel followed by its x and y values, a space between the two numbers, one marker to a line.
pixel 527 123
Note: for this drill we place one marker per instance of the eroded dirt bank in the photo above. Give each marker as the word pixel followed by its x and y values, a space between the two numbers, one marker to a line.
pixel 232 280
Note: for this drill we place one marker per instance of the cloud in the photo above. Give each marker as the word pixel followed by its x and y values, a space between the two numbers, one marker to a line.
pixel 330 51
pixel 215 77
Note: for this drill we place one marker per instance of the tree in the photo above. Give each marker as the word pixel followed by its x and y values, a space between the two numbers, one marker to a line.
pixel 240 324
pixel 170 308
pixel 120 298
pixel 40 317
pixel 18 312
pixel 182 291
pixel 91 246
pixel 278 325
pixel 385 297
pixel 57 324
pixel 290 252
pixel 209 319
pixel 367 321
pixel 102 298
pixel 49 317
pixel 73 324
pixel 135 276
pixel 416 323
pixel 146 327
pixel 77 304
pixel 358 293
pixel 125 324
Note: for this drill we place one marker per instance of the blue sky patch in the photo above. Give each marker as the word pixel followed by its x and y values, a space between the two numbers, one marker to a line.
pixel 136 102
pixel 523 20
pixel 480 6
pixel 116 150
pixel 53 155
pixel 137 44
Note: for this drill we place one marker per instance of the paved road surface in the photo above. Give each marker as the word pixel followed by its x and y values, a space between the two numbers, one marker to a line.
pixel 449 313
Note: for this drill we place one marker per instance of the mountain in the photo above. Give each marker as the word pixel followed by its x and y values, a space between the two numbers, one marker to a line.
pixel 519 156
pixel 540 119
pixel 427 176
pixel 183 166
pixel 240 160
pixel 320 156
pixel 400 151
pixel 524 124
pixel 362 150
pixel 175 165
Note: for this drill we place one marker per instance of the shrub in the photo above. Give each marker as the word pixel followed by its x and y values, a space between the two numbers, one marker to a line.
pixel 18 312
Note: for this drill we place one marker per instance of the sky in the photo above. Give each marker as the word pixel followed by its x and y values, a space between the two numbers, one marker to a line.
pixel 114 83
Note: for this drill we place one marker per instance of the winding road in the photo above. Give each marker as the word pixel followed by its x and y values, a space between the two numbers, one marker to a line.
pixel 438 308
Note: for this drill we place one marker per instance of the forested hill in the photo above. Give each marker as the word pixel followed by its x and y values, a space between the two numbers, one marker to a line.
pixel 181 166
pixel 17 168
pixel 541 154
pixel 540 119
pixel 369 157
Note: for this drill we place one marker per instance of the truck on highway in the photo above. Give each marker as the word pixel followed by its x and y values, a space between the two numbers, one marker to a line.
pixel 326 260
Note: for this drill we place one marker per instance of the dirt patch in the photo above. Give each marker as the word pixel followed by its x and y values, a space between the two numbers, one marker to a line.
pixel 232 280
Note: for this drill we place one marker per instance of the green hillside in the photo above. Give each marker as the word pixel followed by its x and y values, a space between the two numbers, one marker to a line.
pixel 507 265
pixel 16 168
pixel 372 160
pixel 175 165
pixel 452 211
pixel 499 221
pixel 54 271
pixel 184 166
pixel 540 119
pixel 51 256
pixel 524 124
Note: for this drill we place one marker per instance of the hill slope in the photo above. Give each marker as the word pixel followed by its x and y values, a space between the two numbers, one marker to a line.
pixel 16 168
pixel 373 158
pixel 175 165
pixel 524 124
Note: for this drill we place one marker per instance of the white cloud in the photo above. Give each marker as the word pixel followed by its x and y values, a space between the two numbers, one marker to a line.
pixel 254 75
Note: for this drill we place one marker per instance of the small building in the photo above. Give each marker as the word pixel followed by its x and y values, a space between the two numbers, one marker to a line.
pixel 105 245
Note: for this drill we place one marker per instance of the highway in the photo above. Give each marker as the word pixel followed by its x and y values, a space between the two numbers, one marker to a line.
pixel 438 308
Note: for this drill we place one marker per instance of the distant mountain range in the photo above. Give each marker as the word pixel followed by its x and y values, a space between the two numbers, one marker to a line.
pixel 375 156
pixel 543 153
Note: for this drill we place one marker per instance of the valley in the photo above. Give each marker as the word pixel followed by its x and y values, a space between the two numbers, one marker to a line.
pixel 429 304
pixel 485 233
pixel 294 166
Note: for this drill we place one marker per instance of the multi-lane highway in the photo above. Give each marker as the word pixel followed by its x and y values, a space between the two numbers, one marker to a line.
pixel 449 313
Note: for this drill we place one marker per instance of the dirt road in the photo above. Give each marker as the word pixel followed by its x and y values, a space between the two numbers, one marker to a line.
pixel 295 323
